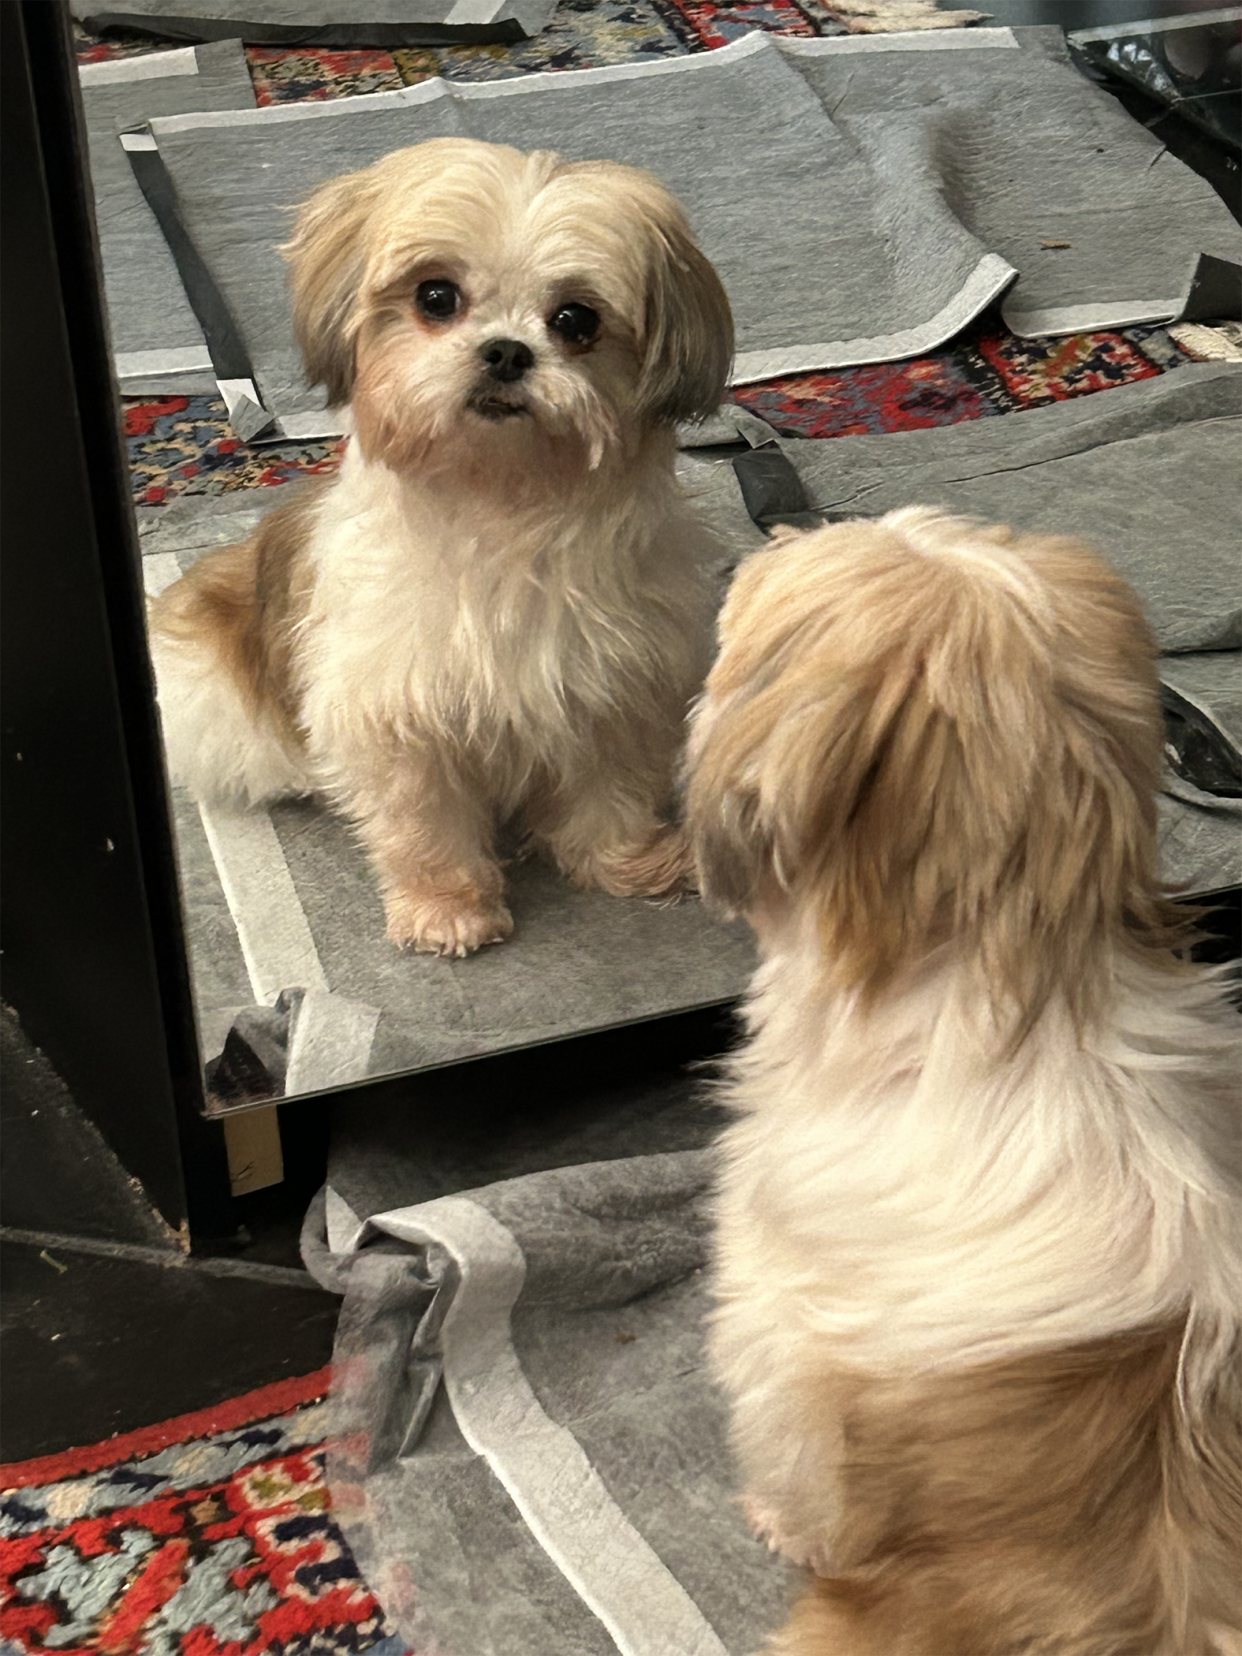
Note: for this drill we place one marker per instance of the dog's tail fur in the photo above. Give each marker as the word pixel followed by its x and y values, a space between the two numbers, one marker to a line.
pixel 1062 1504
pixel 220 641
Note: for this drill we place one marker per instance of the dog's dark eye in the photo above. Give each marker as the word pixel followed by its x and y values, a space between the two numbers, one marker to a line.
pixel 575 323
pixel 438 299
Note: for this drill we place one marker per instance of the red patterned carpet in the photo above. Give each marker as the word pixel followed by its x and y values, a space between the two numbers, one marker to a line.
pixel 208 1535
pixel 185 445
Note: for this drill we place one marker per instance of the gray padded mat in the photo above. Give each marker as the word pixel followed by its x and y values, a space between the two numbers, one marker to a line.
pixel 157 343
pixel 894 230
pixel 324 22
pixel 1101 223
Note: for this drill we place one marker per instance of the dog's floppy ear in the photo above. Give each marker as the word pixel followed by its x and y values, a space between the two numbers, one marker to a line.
pixel 731 846
pixel 328 253
pixel 687 340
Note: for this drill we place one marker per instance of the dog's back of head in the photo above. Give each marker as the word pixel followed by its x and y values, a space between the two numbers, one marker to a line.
pixel 927 729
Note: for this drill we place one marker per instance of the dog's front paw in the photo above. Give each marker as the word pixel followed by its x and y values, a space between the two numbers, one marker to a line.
pixel 767 1524
pixel 446 923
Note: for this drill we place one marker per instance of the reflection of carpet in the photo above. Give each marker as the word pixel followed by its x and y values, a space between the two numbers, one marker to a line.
pixel 208 1535
pixel 185 445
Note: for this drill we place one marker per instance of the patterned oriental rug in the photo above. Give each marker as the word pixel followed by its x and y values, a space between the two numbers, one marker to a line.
pixel 207 1535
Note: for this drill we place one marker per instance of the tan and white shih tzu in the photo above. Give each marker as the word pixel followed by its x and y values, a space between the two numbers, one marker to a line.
pixel 979 1275
pixel 498 609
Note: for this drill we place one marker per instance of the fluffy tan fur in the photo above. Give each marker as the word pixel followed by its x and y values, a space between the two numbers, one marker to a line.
pixel 979 1267
pixel 498 610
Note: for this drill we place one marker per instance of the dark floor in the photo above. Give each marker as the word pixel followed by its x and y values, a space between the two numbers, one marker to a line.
pixel 105 1325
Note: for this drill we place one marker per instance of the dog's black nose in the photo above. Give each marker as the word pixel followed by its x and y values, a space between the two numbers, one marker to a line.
pixel 507 359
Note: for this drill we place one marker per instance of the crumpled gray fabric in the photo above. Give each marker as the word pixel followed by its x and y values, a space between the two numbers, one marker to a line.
pixel 323 22
pixel 1200 839
pixel 157 343
pixel 1201 811
pixel 1211 681
pixel 481 1464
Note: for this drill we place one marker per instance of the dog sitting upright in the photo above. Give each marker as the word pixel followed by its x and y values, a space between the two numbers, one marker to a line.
pixel 979 1273
pixel 498 609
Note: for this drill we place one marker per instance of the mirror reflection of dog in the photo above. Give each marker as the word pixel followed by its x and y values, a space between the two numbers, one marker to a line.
pixel 496 611
pixel 979 1272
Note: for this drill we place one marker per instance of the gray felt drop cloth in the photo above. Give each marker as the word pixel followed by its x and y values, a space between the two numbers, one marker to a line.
pixel 285 899
pixel 895 225
pixel 324 22
pixel 157 343
pixel 1047 170
pixel 532 1456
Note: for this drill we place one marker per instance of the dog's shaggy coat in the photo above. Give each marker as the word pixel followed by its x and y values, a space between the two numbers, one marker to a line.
pixel 498 609
pixel 979 1272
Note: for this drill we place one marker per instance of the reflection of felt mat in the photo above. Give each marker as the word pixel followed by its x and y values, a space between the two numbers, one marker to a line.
pixel 827 290
pixel 285 900
pixel 528 1432
pixel 322 22
pixel 156 338
pixel 1102 223
pixel 838 285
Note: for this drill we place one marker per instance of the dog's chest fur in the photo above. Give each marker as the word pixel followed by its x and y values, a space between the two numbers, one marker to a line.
pixel 481 621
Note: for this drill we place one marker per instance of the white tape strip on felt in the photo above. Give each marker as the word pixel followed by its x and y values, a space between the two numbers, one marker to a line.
pixel 159 571
pixel 986 282
pixel 153 66
pixel 186 359
pixel 910 40
pixel 276 942
pixel 474 11
pixel 331 1042
pixel 332 1036
pixel 541 1465
pixel 1072 319
pixel 429 90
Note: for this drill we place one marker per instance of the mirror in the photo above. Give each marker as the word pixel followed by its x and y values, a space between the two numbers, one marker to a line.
pixel 457 356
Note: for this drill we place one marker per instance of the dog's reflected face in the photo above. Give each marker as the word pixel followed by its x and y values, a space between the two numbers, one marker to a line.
pixel 461 293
